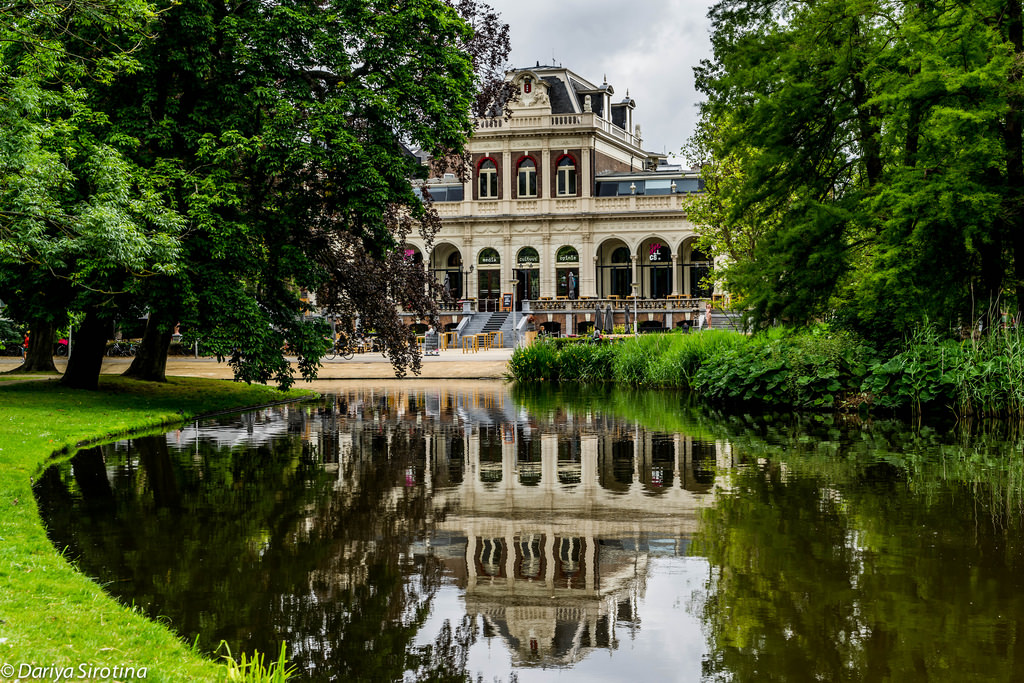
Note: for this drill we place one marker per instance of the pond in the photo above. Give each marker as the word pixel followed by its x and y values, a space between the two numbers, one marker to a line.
pixel 407 532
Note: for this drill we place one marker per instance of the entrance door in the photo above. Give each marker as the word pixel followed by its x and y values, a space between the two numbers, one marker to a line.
pixel 698 288
pixel 620 281
pixel 489 292
pixel 660 287
pixel 527 286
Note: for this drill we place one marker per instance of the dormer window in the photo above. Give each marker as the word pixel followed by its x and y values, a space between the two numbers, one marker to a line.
pixel 527 178
pixel 566 177
pixel 487 177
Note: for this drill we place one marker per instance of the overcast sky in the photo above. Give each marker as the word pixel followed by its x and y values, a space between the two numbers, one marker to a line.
pixel 646 46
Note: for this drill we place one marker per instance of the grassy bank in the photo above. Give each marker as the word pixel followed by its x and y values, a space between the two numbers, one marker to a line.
pixel 816 368
pixel 50 614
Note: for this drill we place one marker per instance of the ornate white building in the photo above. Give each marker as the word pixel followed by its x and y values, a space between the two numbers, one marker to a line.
pixel 565 210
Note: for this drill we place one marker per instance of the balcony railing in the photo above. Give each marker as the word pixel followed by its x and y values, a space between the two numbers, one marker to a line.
pixel 679 304
pixel 560 205
pixel 548 121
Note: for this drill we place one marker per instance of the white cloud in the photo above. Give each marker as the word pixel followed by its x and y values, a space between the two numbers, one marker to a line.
pixel 648 47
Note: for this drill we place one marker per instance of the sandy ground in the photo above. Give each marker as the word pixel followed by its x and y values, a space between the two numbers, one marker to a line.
pixel 449 365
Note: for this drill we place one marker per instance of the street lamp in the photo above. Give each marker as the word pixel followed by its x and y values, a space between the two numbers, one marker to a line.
pixel 636 290
pixel 514 282
pixel 465 281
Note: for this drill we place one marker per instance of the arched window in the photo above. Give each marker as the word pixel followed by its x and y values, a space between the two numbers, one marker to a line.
pixel 487 176
pixel 566 177
pixel 454 259
pixel 489 257
pixel 567 254
pixel 698 256
pixel 527 178
pixel 528 256
pixel 620 255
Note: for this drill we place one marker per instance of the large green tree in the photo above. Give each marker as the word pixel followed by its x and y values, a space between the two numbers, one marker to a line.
pixel 286 128
pixel 80 224
pixel 881 147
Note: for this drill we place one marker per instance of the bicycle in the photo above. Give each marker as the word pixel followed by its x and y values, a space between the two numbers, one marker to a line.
pixel 341 348
pixel 121 348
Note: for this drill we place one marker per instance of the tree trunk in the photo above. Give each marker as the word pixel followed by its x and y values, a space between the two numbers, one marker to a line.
pixel 150 363
pixel 39 356
pixel 86 359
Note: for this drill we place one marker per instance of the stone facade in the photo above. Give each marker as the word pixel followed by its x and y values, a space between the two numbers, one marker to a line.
pixel 564 206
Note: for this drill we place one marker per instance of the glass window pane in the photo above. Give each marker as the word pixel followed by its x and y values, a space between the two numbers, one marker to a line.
pixel 659 186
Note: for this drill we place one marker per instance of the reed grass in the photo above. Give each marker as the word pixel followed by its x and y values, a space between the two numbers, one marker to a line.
pixel 256 669
pixel 812 368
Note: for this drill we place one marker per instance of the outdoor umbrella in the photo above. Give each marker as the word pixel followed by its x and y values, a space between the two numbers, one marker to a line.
pixel 599 318
pixel 608 322
pixel 629 320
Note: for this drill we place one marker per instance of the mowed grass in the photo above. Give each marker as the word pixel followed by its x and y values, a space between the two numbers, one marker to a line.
pixel 50 614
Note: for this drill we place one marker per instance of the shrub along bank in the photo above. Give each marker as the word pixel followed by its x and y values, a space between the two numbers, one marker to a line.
pixel 811 368
pixel 50 614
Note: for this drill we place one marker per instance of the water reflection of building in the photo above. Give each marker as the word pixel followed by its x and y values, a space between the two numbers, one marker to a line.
pixel 555 527
pixel 547 523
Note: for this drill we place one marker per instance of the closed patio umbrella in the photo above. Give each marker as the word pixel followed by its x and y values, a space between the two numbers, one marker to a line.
pixel 608 324
pixel 629 321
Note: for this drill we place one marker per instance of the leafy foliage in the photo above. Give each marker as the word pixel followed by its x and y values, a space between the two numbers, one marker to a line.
pixel 81 225
pixel 235 167
pixel 864 158
pixel 817 368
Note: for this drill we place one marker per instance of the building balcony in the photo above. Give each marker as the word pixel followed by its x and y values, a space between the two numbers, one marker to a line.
pixel 549 122
pixel 674 304
pixel 562 206
pixel 677 304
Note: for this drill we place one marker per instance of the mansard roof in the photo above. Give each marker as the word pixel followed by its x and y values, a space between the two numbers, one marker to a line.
pixel 567 89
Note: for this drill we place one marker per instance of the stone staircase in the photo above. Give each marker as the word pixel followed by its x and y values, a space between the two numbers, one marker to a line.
pixel 721 320
pixel 480 323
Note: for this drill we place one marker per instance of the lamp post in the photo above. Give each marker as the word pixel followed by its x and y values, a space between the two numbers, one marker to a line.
pixel 636 291
pixel 465 281
pixel 514 282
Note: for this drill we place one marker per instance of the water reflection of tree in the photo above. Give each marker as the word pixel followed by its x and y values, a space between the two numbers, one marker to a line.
pixel 861 570
pixel 257 545
pixel 848 549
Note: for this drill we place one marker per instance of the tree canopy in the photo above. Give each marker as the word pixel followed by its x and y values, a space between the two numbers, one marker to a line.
pixel 263 155
pixel 873 152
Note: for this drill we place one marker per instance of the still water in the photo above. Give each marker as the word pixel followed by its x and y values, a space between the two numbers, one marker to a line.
pixel 405 532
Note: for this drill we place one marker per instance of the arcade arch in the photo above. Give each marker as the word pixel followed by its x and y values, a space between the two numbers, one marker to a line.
pixel 694 267
pixel 614 269
pixel 446 267
pixel 654 263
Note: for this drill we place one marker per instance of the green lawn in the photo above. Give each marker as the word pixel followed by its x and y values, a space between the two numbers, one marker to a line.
pixel 50 614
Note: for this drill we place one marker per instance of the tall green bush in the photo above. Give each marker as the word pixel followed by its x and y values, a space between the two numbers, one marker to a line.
pixel 534 363
pixel 813 368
